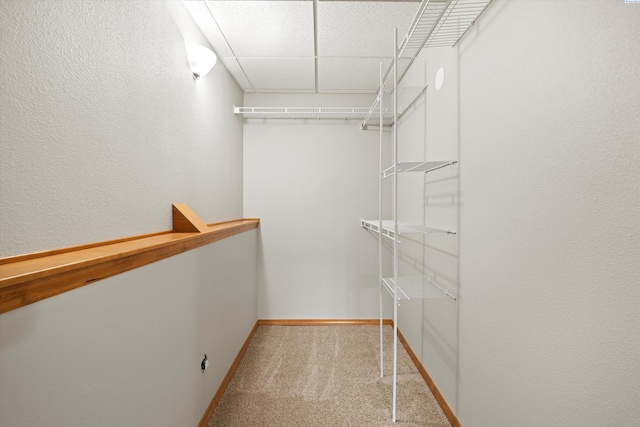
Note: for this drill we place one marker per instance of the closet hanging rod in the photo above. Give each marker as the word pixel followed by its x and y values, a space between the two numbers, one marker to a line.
pixel 318 113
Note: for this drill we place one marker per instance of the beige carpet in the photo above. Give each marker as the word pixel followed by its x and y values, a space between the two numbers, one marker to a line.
pixel 324 376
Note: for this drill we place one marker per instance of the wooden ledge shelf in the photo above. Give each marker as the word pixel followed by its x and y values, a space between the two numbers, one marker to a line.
pixel 25 279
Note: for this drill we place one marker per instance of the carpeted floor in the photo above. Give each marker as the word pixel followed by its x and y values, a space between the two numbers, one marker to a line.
pixel 325 376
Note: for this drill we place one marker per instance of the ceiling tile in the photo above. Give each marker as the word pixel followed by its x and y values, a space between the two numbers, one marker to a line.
pixel 269 45
pixel 361 28
pixel 203 18
pixel 280 73
pixel 266 28
pixel 350 73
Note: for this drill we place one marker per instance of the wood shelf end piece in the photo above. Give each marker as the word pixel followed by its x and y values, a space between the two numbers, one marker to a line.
pixel 186 221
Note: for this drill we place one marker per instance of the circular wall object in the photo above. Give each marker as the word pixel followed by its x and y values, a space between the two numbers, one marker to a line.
pixel 439 80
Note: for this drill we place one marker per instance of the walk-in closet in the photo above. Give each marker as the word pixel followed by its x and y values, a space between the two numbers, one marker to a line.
pixel 319 212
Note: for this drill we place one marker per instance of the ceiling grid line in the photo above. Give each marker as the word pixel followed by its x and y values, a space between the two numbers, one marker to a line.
pixel 213 18
pixel 315 44
pixel 324 46
pixel 304 46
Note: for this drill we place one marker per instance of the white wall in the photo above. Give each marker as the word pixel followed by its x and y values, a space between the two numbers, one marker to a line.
pixel 429 131
pixel 310 182
pixel 545 331
pixel 126 351
pixel 102 127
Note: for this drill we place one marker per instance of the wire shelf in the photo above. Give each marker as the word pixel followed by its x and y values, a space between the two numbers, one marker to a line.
pixel 407 95
pixel 417 167
pixel 437 23
pixel 317 113
pixel 388 227
pixel 456 22
pixel 416 287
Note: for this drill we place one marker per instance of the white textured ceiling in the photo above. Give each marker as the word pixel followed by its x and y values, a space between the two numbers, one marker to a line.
pixel 319 46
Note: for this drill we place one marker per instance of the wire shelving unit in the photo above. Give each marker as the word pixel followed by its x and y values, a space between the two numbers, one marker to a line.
pixel 437 23
pixel 399 287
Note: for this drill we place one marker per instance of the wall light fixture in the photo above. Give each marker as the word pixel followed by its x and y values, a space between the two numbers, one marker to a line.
pixel 201 59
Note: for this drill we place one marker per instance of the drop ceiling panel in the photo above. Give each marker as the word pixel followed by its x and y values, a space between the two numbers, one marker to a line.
pixel 207 24
pixel 266 28
pixel 361 28
pixel 280 73
pixel 269 45
pixel 353 74
pixel 350 73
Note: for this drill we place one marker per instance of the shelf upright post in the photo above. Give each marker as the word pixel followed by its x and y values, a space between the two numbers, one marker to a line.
pixel 395 216
pixel 381 96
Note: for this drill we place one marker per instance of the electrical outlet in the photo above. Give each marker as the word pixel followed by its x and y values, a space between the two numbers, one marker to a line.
pixel 204 364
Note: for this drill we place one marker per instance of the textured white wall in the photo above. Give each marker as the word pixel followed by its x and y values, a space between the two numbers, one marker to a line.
pixel 101 129
pixel 550 190
pixel 549 186
pixel 126 351
pixel 102 126
pixel 547 193
pixel 310 181
pixel 429 131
